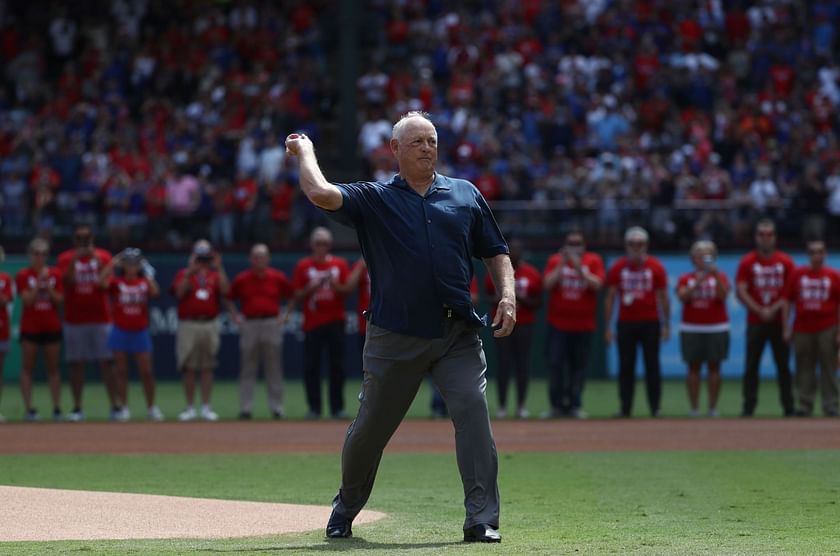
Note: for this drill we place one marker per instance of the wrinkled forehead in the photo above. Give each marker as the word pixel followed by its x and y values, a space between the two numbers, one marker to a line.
pixel 418 128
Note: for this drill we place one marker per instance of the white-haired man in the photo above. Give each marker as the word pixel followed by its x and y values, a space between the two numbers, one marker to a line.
pixel 639 282
pixel 418 233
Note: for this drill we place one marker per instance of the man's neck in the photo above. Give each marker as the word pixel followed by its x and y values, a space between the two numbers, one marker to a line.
pixel 765 253
pixel 320 258
pixel 420 184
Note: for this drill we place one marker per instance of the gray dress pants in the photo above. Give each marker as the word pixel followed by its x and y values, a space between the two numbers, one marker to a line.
pixel 394 368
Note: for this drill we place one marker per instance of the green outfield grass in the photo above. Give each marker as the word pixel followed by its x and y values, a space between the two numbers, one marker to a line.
pixel 770 502
pixel 600 400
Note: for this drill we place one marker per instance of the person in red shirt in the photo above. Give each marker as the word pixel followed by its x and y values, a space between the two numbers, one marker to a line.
pixel 260 291
pixel 514 351
pixel 320 283
pixel 572 277
pixel 704 331
pixel 639 282
pixel 759 283
pixel 6 298
pixel 199 289
pixel 41 289
pixel 813 293
pixel 87 319
pixel 130 283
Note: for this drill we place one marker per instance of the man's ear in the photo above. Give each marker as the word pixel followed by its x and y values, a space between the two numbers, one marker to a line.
pixel 395 146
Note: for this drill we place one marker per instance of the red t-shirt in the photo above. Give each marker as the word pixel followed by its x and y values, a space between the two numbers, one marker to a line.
pixel 765 279
pixel 130 300
pixel 704 311
pixel 817 296
pixel 363 303
pixel 636 286
pixel 527 283
pixel 201 302
pixel 324 305
pixel 5 290
pixel 571 304
pixel 260 296
pixel 85 302
pixel 42 316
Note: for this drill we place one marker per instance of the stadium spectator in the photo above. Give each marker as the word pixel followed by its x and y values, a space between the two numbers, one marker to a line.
pixel 813 294
pixel 704 329
pixel 320 282
pixel 199 289
pixel 40 289
pixel 260 290
pixel 638 283
pixel 572 278
pixel 514 351
pixel 759 282
pixel 130 282
pixel 6 298
pixel 87 319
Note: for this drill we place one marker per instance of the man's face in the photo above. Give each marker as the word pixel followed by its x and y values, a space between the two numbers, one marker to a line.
pixel 636 247
pixel 816 253
pixel 416 149
pixel 83 238
pixel 259 260
pixel 321 245
pixel 765 238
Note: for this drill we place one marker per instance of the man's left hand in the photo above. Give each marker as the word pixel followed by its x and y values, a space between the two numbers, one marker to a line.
pixel 505 318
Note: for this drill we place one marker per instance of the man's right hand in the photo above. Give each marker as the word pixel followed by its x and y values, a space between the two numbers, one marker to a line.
pixel 298 143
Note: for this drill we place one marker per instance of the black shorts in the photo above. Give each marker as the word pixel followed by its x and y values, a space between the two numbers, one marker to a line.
pixel 41 338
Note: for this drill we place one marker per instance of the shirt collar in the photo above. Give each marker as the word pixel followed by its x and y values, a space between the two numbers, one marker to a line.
pixel 440 183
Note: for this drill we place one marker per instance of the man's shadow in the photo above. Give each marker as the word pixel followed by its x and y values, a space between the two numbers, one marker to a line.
pixel 340 545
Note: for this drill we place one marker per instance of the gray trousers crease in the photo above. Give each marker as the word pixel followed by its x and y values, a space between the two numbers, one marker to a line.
pixel 394 368
pixel 261 343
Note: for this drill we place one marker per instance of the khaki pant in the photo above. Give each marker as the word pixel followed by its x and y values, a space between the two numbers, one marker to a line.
pixel 810 350
pixel 197 344
pixel 261 342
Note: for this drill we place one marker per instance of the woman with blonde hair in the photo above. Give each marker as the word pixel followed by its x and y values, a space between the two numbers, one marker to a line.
pixel 704 330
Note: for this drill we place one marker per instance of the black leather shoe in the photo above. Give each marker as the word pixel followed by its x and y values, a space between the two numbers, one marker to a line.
pixel 339 527
pixel 482 533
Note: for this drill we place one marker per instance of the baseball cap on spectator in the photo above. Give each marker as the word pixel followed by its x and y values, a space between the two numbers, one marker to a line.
pixel 202 248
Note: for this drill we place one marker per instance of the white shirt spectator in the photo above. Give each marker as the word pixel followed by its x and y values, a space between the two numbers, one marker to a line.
pixel 832 185
pixel 63 33
pixel 374 134
pixel 763 191
pixel 271 162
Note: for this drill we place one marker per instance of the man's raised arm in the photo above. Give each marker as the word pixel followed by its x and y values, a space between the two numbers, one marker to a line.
pixel 314 185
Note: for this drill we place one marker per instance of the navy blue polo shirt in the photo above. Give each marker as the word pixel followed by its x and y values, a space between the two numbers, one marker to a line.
pixel 419 249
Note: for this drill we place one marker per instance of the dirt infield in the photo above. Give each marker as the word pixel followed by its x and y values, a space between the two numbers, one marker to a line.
pixel 86 515
pixel 421 436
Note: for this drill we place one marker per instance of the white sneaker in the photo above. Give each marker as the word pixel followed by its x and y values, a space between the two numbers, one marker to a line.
pixel 2 419
pixel 76 416
pixel 522 413
pixel 123 415
pixel 188 414
pixel 713 413
pixel 579 414
pixel 693 413
pixel 501 413
pixel 154 414
pixel 208 414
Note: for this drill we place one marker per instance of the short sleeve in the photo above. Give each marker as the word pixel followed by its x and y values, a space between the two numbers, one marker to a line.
pixel 299 276
pixel 660 278
pixel 612 275
pixel 789 291
pixel 233 292
pixel 179 277
pixel 349 213
pixel 284 285
pixel 743 272
pixel 598 266
pixel 487 239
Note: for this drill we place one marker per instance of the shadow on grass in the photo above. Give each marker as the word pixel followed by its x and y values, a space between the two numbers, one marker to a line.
pixel 341 545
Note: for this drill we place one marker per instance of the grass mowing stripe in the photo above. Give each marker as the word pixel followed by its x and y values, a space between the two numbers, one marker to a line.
pixel 665 502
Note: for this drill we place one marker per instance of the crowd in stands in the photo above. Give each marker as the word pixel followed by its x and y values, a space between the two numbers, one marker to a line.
pixel 161 122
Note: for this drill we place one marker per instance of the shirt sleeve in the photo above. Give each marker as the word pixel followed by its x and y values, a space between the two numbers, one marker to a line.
pixel 179 277
pixel 235 286
pixel 660 277
pixel 299 277
pixel 598 267
pixel 487 239
pixel 612 275
pixel 743 272
pixel 285 286
pixel 59 282
pixel 350 211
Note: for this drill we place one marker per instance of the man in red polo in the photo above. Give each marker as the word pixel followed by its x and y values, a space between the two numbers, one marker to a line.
pixel 572 278
pixel 199 289
pixel 320 283
pixel 813 292
pixel 514 351
pixel 87 319
pixel 760 281
pixel 638 283
pixel 259 291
